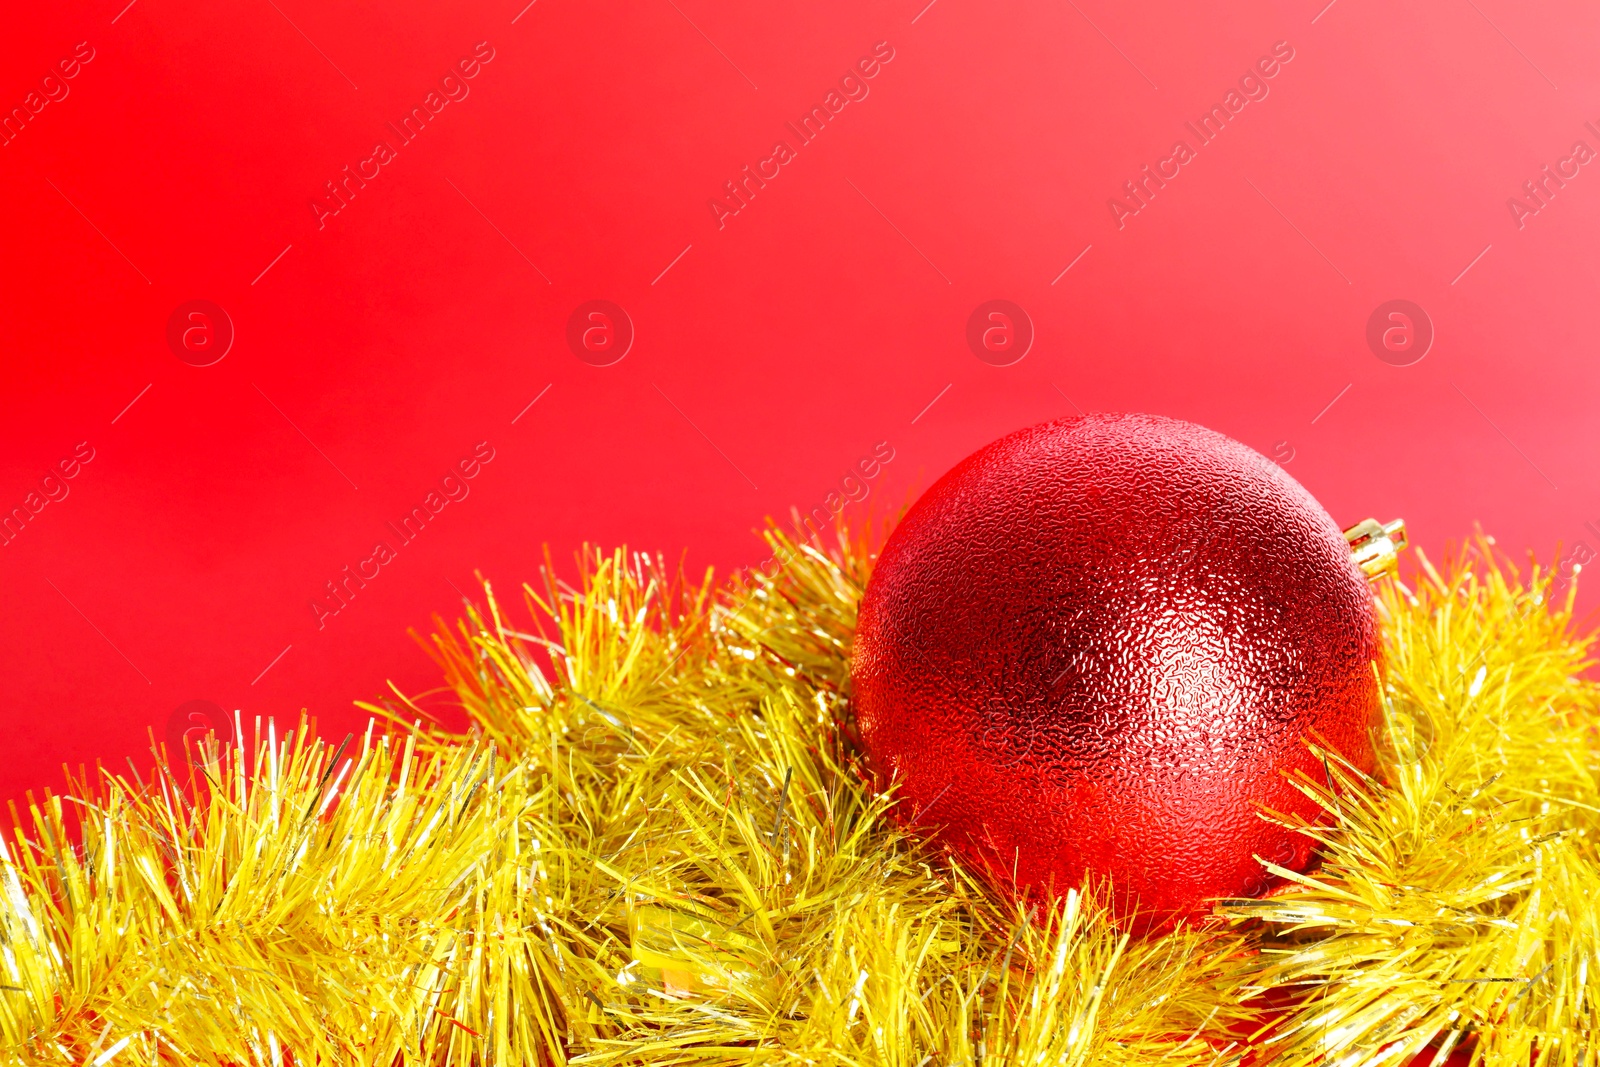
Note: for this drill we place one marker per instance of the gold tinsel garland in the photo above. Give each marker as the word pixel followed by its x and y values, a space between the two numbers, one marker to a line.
pixel 654 847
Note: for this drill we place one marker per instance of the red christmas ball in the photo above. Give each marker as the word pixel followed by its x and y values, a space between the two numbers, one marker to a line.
pixel 1094 649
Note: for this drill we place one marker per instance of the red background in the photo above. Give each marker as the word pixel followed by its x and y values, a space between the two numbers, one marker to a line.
pixel 772 354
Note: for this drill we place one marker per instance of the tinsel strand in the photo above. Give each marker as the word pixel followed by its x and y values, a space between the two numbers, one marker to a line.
pixel 655 845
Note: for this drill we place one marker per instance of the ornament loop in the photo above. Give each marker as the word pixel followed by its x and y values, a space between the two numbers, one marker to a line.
pixel 1377 545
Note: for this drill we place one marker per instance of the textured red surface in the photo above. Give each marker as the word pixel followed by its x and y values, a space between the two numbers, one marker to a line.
pixel 1096 645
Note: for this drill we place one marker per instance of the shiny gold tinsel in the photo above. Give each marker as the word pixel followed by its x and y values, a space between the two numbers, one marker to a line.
pixel 654 847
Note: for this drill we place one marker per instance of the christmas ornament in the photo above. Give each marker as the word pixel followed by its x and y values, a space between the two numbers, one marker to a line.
pixel 1098 647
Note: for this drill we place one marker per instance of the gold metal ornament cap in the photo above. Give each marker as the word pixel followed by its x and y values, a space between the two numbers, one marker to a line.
pixel 1376 545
